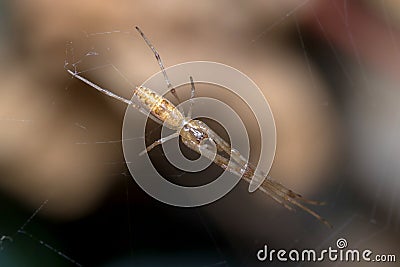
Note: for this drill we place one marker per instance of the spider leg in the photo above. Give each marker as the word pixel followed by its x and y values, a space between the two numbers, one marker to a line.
pixel 97 87
pixel 236 156
pixel 192 93
pixel 291 197
pixel 159 142
pixel 222 145
pixel 160 63
pixel 230 166
pixel 276 191
pixel 111 94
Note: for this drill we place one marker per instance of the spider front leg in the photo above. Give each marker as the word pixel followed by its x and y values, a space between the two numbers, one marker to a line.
pixel 227 165
pixel 224 146
pixel 275 190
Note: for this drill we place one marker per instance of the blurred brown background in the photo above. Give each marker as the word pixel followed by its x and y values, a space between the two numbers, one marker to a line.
pixel 329 69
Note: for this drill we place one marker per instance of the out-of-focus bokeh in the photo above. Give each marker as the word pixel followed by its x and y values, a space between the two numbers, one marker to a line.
pixel 329 69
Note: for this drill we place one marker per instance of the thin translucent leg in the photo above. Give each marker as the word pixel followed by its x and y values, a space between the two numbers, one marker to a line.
pixel 192 93
pixel 115 96
pixel 231 167
pixel 97 87
pixel 273 189
pixel 160 63
pixel 222 145
pixel 78 75
pixel 159 142
pixel 237 157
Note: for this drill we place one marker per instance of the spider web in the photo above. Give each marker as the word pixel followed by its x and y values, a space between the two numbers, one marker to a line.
pixel 374 213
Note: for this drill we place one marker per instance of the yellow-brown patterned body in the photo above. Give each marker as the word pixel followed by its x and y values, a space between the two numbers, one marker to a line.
pixel 160 107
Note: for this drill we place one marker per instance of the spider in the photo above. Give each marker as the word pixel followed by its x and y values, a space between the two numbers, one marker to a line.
pixel 194 134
